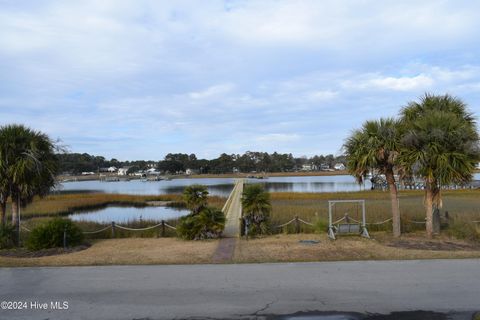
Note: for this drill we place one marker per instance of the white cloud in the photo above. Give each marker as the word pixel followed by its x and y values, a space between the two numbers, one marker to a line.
pixel 401 83
pixel 212 91
pixel 196 77
pixel 277 138
pixel 322 95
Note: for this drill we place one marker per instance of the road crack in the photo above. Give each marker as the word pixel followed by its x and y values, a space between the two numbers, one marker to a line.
pixel 267 306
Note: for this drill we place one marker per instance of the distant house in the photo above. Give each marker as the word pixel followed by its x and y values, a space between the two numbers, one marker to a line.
pixel 88 173
pixel 190 171
pixel 339 166
pixel 478 166
pixel 139 173
pixel 235 170
pixel 152 171
pixel 112 169
pixel 123 171
pixel 324 167
pixel 309 167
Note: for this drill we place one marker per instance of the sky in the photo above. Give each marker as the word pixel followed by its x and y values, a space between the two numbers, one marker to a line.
pixel 139 79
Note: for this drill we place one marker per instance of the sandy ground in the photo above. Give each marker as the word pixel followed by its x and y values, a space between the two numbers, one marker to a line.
pixel 278 248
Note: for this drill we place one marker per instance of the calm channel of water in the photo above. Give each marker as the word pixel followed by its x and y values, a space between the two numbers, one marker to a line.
pixel 216 186
pixel 220 186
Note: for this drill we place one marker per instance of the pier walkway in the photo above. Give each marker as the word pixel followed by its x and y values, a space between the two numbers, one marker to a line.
pixel 233 210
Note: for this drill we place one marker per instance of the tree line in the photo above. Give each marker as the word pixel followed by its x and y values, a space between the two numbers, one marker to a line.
pixel 76 163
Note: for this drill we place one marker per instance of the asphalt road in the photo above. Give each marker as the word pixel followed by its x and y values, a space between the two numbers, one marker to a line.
pixel 240 291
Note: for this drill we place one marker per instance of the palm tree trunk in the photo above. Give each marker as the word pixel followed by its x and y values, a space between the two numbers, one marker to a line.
pixel 3 213
pixel 429 209
pixel 16 219
pixel 394 202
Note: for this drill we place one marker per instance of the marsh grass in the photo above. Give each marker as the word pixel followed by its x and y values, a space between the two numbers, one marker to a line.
pixel 42 210
pixel 57 205
pixel 462 206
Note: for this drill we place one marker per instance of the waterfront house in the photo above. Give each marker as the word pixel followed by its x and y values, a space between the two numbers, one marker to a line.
pixel 339 166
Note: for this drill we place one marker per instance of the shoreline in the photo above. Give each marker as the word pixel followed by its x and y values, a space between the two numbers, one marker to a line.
pixel 96 177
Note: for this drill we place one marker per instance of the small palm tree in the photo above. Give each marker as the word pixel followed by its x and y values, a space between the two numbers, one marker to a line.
pixel 441 145
pixel 28 164
pixel 207 224
pixel 375 147
pixel 256 206
pixel 196 198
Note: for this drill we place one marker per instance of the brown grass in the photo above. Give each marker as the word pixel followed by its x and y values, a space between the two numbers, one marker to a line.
pixel 55 205
pixel 277 248
pixel 287 248
pixel 461 205
pixel 127 251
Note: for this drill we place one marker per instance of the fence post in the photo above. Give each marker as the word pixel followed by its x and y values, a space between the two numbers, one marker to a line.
pixel 297 225
pixel 113 229
pixel 64 238
pixel 163 228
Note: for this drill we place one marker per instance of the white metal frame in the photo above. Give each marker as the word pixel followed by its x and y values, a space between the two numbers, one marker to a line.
pixel 331 227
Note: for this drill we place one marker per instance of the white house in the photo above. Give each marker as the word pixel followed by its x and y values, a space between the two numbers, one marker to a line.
pixel 112 169
pixel 152 171
pixel 309 167
pixel 339 166
pixel 123 171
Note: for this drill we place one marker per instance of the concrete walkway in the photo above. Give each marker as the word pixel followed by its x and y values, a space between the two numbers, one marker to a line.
pixel 229 291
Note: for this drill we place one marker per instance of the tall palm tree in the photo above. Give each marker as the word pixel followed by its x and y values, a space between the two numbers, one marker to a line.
pixel 4 194
pixel 256 205
pixel 440 145
pixel 196 198
pixel 375 147
pixel 28 164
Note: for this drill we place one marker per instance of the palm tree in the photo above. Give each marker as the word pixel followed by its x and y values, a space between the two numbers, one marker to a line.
pixel 375 147
pixel 196 197
pixel 4 193
pixel 28 165
pixel 440 145
pixel 256 206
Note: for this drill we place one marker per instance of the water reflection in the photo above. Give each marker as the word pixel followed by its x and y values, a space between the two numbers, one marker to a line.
pixel 220 186
pixel 126 214
pixel 223 186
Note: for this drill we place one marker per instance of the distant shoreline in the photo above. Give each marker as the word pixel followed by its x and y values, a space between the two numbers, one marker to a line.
pixel 219 175
pixel 94 177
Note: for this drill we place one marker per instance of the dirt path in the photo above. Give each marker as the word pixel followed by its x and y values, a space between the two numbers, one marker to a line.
pixel 225 251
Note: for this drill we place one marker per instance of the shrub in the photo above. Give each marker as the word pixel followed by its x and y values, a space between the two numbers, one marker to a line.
pixel 321 226
pixel 207 224
pixel 7 236
pixel 50 235
pixel 464 230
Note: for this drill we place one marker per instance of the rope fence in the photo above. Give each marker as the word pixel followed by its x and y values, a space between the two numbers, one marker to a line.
pixel 347 218
pixel 114 226
pixel 98 231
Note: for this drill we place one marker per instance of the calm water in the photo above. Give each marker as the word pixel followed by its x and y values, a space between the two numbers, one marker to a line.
pixel 126 214
pixel 220 186
pixel 223 186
